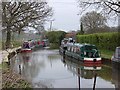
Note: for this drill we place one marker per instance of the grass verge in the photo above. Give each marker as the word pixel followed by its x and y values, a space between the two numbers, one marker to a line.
pixel 11 79
pixel 106 54
pixel 4 66
pixel 16 43
pixel 54 46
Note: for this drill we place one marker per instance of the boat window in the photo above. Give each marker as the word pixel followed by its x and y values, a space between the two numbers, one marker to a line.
pixel 75 49
pixel 90 51
pixel 26 45
pixel 78 50
pixel 69 48
pixel 72 49
pixel 88 54
pixel 31 44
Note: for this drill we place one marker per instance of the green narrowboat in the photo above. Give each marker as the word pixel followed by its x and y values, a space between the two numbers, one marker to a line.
pixel 84 52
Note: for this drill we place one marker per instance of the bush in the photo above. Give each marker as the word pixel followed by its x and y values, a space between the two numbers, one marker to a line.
pixel 107 41
pixel 55 36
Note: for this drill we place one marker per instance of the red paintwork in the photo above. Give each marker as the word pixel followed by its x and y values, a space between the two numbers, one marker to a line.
pixel 38 42
pixel 43 43
pixel 91 63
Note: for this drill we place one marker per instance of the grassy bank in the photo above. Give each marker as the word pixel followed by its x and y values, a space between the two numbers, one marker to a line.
pixel 16 44
pixel 4 66
pixel 11 79
pixel 106 54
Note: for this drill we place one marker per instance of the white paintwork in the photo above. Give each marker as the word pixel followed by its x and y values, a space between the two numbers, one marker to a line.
pixel 92 68
pixel 26 49
pixel 91 59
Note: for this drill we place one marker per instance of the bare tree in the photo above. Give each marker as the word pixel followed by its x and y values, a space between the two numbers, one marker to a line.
pixel 93 21
pixel 17 15
pixel 105 6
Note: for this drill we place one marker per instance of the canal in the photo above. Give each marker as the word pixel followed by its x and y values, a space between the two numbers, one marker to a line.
pixel 48 69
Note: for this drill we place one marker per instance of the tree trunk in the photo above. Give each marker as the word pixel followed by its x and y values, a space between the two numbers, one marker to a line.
pixel 8 39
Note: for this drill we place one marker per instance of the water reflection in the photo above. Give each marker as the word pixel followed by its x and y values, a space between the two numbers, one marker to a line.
pixel 44 69
pixel 25 65
pixel 85 71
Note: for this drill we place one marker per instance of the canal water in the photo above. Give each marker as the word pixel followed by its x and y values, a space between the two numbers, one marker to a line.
pixel 48 69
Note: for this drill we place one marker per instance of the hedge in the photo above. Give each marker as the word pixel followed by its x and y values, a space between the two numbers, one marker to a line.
pixel 107 41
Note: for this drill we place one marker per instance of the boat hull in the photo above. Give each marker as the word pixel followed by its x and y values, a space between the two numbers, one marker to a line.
pixel 26 50
pixel 92 60
pixel 92 63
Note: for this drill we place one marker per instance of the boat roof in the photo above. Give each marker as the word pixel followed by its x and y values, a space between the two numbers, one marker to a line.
pixel 26 41
pixel 45 40
pixel 79 44
pixel 65 39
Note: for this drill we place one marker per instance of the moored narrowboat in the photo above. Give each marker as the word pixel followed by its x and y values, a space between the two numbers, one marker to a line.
pixel 86 53
pixel 45 42
pixel 26 47
pixel 63 46
pixel 38 44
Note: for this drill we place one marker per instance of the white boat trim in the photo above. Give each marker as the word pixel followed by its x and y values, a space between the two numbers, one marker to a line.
pixel 92 68
pixel 91 59
pixel 26 49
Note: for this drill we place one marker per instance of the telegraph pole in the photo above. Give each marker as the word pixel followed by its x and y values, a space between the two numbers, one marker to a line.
pixel 51 21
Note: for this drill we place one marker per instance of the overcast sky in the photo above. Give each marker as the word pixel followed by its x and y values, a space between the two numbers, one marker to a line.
pixel 65 15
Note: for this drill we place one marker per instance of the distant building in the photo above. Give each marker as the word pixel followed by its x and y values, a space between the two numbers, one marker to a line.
pixel 71 35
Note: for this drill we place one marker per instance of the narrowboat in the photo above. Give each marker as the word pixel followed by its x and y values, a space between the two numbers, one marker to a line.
pixel 45 42
pixel 38 44
pixel 27 47
pixel 63 46
pixel 116 56
pixel 86 53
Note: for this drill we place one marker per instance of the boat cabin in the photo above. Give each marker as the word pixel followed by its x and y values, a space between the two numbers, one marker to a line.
pixel 83 52
pixel 26 44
